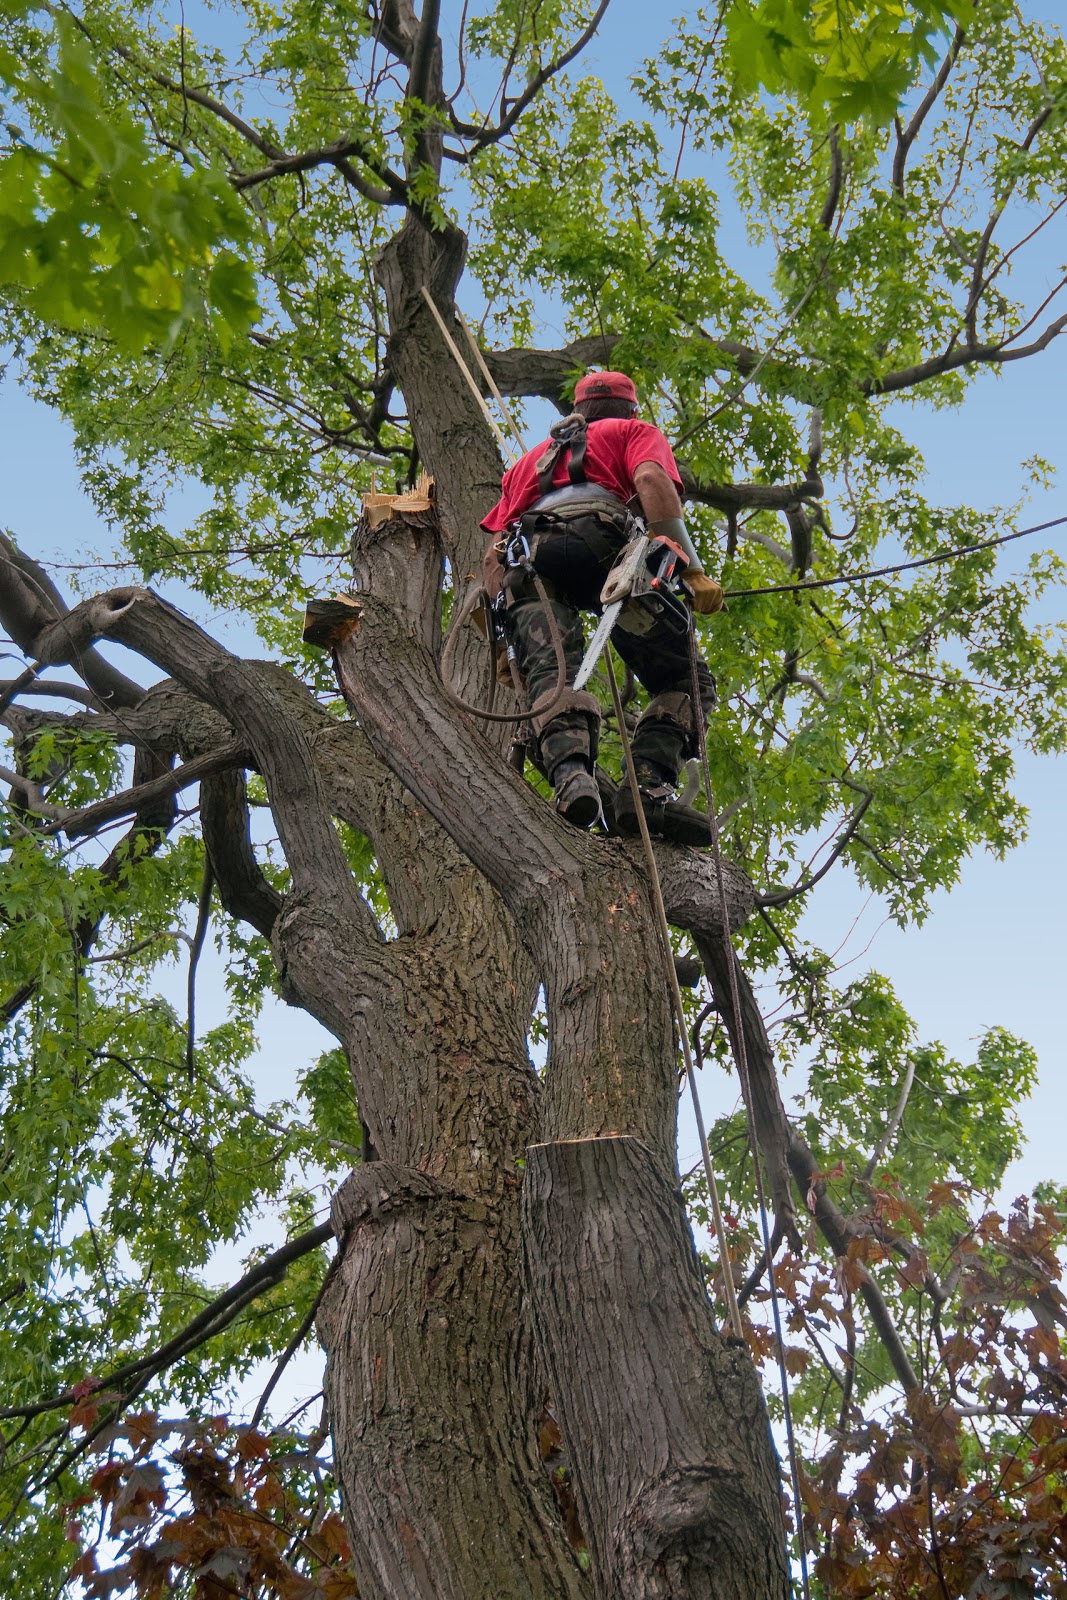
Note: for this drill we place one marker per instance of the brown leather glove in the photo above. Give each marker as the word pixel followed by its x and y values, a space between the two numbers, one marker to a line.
pixel 705 592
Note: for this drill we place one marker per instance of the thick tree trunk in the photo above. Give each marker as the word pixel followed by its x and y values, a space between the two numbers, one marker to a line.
pixel 659 1411
pixel 677 1478
pixel 429 1349
pixel 433 1414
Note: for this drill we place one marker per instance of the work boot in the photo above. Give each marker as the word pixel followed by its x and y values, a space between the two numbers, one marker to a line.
pixel 577 795
pixel 667 818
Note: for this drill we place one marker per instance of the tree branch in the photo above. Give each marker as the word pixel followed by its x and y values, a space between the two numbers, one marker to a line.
pixel 782 897
pixel 486 136
pixel 422 51
pixel 839 1234
pixel 395 26
pixel 218 1314
pixel 31 608
pixel 906 137
pixel 337 155
pixel 978 281
pixel 894 1122
pixel 33 686
pixel 833 196
pixel 243 888
pixel 78 824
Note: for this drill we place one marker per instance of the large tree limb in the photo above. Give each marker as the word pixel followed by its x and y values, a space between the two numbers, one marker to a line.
pixel 35 615
pixel 768 1112
pixel 245 891
pixel 547 373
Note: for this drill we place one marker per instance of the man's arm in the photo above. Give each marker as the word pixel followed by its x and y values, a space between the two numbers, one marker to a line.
pixel 657 494
pixel 662 507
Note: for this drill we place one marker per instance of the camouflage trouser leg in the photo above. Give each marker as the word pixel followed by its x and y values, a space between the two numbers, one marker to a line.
pixel 667 731
pixel 573 732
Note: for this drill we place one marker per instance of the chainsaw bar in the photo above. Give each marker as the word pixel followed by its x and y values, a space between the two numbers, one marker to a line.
pixel 598 642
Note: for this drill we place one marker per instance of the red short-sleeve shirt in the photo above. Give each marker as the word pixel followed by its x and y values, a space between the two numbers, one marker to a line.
pixel 615 448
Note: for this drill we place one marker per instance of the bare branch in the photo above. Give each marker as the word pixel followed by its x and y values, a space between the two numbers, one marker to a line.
pixel 77 824
pixel 35 800
pixel 894 1122
pixel 34 686
pixel 336 155
pixel 196 946
pixel 486 136
pixel 906 137
pixel 395 25
pixel 979 282
pixel 783 896
pixel 30 608
pixel 216 1316
pixel 962 356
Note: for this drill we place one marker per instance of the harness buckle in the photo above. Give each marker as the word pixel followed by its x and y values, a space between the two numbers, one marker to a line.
pixel 517 551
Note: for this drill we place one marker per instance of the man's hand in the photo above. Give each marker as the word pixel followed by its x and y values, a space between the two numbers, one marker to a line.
pixel 705 592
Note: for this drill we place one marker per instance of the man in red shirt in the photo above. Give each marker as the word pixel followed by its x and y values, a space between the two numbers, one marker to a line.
pixel 569 498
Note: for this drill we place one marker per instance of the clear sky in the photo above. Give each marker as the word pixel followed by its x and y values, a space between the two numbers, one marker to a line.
pixel 991 953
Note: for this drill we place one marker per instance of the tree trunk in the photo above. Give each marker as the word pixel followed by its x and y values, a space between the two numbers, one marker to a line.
pixel 656 1406
pixel 676 1477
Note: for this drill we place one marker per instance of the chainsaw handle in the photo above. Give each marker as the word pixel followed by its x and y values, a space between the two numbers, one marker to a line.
pixel 672 558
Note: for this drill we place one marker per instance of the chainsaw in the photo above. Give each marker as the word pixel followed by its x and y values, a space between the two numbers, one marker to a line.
pixel 641 592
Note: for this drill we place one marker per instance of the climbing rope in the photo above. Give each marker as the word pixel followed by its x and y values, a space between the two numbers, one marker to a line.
pixel 475 595
pixel 741 1056
pixel 676 994
pixel 897 566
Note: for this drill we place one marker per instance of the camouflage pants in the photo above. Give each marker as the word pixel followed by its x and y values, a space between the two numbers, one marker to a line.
pixel 659 659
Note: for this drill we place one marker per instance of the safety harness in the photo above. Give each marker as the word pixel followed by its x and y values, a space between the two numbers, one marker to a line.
pixel 588 509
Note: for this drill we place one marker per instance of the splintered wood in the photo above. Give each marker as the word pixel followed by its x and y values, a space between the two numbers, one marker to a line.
pixel 378 508
pixel 327 622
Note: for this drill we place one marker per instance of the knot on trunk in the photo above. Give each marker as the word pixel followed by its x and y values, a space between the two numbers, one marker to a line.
pixel 65 640
pixel 378 1188
pixel 677 1524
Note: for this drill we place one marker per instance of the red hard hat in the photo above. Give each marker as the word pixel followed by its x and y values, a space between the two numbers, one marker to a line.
pixel 602 385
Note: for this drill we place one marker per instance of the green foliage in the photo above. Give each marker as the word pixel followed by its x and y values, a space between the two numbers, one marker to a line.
pixel 101 230
pixel 845 59
pixel 207 328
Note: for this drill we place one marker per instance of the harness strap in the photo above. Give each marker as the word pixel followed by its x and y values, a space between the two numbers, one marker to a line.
pixel 567 434
pixel 576 464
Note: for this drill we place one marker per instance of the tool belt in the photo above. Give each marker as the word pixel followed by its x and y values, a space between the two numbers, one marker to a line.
pixel 601 521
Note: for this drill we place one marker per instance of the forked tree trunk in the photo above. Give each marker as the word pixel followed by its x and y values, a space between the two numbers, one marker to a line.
pixel 664 1423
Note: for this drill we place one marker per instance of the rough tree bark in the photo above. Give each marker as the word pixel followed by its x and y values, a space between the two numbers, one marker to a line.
pixel 438 1366
pixel 513 1240
pixel 462 1304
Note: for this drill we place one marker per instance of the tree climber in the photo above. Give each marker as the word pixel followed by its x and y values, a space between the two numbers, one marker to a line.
pixel 568 500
